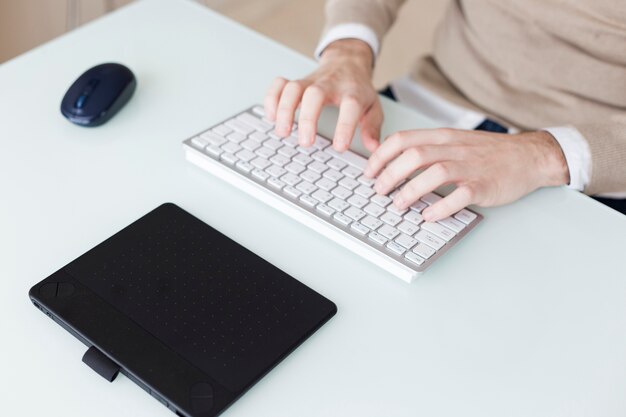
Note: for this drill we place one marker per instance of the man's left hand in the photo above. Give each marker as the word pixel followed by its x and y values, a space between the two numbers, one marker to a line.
pixel 488 169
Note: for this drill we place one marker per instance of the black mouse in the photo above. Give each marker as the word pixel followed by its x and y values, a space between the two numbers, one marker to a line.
pixel 98 94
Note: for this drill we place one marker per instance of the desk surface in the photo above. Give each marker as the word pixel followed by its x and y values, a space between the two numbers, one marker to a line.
pixel 525 317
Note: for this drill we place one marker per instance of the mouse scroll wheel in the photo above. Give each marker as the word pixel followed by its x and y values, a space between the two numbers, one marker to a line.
pixel 80 101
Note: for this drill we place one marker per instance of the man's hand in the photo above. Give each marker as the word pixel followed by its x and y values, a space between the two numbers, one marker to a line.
pixel 343 79
pixel 489 169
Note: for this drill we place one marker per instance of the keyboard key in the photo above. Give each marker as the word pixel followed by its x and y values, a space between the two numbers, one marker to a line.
pixel 309 150
pixel 424 250
pixel 236 137
pixel 265 153
pixel 322 196
pixel 302 159
pixel 310 176
pixel 352 172
pixel 229 158
pixel 317 166
pixel 348 183
pixel 377 238
pixel 430 239
pixel 374 210
pixel 395 210
pixel 358 201
pixel 342 219
pixel 222 130
pixel 388 231
pixel 465 216
pixel 338 204
pixel 280 160
pixel 341 192
pixel 381 200
pixel 294 168
pixel 439 231
pixel 260 175
pixel 199 142
pixel 364 191
pixel 213 138
pixel 273 144
pixel 231 147
pixel 325 210
pixel 413 217
pixel 275 171
pixel 367 181
pixel 290 179
pixel 354 213
pixel 417 260
pixel 250 144
pixel 326 184
pixel 408 228
pixel 452 223
pixel 359 228
pixel 254 122
pixel 260 163
pixel 244 167
pixel 214 151
pixel 276 183
pixel 322 157
pixel 391 219
pixel 291 141
pixel 258 136
pixel 320 142
pixel 405 241
pixel 371 222
pixel 308 200
pixel 288 152
pixel 348 157
pixel 292 192
pixel 306 187
pixel 418 206
pixel 333 175
pixel 395 248
pixel 336 164
pixel 240 127
pixel 245 155
pixel 259 111
pixel 430 198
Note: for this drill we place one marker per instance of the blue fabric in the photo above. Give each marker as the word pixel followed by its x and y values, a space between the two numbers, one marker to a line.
pixel 489 125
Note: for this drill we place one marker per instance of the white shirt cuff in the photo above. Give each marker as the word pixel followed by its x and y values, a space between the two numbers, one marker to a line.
pixel 349 31
pixel 577 154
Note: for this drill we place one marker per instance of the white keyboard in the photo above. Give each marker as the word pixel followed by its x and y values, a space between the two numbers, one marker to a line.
pixel 326 190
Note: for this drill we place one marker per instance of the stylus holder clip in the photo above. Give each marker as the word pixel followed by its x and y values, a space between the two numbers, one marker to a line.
pixel 100 363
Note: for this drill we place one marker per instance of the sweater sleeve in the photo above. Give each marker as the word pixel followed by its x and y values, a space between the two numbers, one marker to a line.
pixel 607 142
pixel 378 15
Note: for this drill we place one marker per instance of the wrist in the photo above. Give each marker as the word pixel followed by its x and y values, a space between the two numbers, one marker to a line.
pixel 354 50
pixel 553 169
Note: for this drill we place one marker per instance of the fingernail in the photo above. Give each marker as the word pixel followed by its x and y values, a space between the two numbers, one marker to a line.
pixel 399 202
pixel 368 172
pixel 427 215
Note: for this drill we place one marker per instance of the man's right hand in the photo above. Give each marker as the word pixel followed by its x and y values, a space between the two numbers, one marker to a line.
pixel 343 79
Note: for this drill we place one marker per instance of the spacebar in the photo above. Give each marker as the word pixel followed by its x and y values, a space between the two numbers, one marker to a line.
pixel 350 157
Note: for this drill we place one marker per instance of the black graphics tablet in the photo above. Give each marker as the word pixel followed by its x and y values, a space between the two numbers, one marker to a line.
pixel 188 314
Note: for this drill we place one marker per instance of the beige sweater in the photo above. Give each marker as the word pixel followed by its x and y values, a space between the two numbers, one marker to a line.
pixel 531 63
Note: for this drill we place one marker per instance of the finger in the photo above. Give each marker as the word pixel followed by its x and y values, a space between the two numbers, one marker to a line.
pixel 370 127
pixel 446 207
pixel 407 163
pixel 272 96
pixel 397 143
pixel 433 177
pixel 349 114
pixel 312 102
pixel 287 105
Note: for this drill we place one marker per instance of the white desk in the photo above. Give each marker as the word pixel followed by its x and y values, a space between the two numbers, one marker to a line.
pixel 527 317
